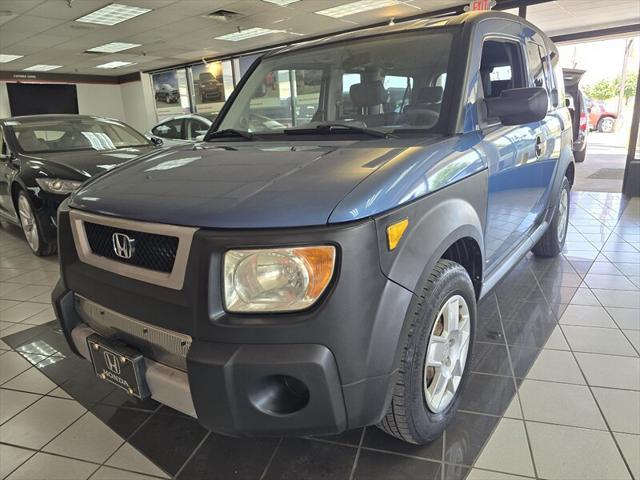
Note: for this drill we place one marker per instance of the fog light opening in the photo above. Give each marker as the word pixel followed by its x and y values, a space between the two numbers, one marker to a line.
pixel 279 395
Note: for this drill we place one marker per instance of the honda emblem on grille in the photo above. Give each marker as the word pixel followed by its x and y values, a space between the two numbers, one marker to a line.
pixel 123 245
pixel 112 362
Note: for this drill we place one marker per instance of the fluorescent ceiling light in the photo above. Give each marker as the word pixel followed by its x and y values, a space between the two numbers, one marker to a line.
pixel 115 64
pixel 282 3
pixel 113 14
pixel 41 68
pixel 114 47
pixel 248 33
pixel 5 57
pixel 356 7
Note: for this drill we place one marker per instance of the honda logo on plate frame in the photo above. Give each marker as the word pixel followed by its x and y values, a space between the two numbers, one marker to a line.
pixel 123 245
pixel 112 362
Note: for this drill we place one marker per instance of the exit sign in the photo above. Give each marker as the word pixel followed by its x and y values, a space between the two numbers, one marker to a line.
pixel 480 5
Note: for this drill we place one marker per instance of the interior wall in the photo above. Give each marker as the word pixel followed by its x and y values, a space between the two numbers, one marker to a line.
pixel 100 99
pixel 137 100
pixel 131 102
pixel 5 109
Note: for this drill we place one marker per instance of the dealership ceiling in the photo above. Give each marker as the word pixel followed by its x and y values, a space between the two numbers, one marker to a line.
pixel 55 35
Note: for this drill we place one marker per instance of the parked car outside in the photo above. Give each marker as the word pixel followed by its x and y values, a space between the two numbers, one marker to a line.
pixel 209 88
pixel 324 276
pixel 579 112
pixel 167 93
pixel 182 129
pixel 44 158
pixel 601 118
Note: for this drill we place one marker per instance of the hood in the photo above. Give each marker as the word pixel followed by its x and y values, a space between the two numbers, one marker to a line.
pixel 87 163
pixel 239 185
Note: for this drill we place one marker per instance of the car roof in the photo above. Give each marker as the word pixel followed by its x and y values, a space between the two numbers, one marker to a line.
pixel 469 18
pixel 51 116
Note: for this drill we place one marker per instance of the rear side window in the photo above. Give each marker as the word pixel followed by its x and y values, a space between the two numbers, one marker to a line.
pixel 171 129
pixel 501 67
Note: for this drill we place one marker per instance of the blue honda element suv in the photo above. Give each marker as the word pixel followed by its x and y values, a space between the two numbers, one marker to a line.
pixel 315 264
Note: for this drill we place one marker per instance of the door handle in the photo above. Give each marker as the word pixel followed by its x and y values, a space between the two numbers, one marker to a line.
pixel 540 146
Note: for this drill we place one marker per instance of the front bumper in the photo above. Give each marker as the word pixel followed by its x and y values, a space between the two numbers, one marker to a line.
pixel 320 371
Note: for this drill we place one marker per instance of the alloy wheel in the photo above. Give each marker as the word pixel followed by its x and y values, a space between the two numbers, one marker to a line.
pixel 606 125
pixel 28 222
pixel 447 353
pixel 563 212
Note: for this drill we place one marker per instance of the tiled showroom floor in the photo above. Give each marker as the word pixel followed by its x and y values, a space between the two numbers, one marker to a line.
pixel 554 393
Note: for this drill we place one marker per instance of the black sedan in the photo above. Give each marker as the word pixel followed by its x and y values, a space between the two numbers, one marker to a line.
pixel 44 158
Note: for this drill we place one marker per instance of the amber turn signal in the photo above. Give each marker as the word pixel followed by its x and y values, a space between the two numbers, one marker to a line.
pixel 395 232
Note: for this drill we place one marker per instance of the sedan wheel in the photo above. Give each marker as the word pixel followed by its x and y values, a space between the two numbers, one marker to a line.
pixel 28 222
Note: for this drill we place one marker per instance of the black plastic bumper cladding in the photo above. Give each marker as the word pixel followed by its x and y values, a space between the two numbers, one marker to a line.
pixel 342 349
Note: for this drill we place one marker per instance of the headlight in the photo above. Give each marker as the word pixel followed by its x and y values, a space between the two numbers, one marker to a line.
pixel 278 279
pixel 58 185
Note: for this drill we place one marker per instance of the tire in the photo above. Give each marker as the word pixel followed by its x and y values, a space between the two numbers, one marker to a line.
pixel 33 224
pixel 552 241
pixel 606 124
pixel 412 416
pixel 579 155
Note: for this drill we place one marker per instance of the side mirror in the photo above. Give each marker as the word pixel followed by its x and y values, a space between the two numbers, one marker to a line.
pixel 158 142
pixel 518 106
pixel 4 157
pixel 200 138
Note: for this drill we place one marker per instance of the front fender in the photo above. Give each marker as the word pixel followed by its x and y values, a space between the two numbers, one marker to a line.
pixel 435 223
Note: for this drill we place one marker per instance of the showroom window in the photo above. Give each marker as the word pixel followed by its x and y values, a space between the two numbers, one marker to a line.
pixel 171 93
pixel 212 85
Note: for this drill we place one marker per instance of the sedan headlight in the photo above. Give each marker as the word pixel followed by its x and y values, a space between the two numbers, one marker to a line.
pixel 278 279
pixel 58 185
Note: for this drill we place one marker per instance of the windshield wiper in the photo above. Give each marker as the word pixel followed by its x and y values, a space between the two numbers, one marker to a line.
pixel 336 127
pixel 229 132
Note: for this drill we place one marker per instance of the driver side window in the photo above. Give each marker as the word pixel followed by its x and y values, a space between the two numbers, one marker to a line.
pixel 501 69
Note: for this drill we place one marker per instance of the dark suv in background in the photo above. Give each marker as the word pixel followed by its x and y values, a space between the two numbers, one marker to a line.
pixel 579 109
pixel 312 275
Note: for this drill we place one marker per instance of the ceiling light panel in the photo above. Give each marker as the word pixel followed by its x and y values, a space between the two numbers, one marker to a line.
pixel 5 57
pixel 115 64
pixel 356 7
pixel 282 3
pixel 113 14
pixel 114 47
pixel 246 34
pixel 41 68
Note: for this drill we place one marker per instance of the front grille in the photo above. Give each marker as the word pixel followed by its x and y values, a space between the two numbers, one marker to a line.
pixel 159 344
pixel 151 251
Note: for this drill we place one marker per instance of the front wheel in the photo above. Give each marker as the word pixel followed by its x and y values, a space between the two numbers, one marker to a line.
pixel 32 227
pixel 436 357
pixel 552 241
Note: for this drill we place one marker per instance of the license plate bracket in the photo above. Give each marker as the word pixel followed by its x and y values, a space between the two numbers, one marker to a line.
pixel 119 365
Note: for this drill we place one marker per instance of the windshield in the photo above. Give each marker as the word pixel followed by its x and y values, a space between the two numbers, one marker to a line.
pixel 75 134
pixel 389 83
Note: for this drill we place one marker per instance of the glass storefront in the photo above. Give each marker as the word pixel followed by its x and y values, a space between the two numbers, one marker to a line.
pixel 171 92
pixel 212 84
